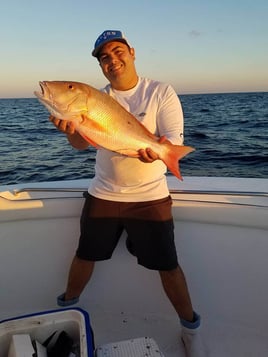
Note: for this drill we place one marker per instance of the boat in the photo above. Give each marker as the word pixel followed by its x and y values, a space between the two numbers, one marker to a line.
pixel 221 229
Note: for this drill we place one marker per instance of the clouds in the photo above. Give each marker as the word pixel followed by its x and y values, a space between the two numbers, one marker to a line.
pixel 194 33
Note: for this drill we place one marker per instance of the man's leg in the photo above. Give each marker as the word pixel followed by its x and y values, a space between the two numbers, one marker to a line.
pixel 175 286
pixel 100 231
pixel 79 275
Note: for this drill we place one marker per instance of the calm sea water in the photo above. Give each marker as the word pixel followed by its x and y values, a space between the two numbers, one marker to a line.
pixel 229 132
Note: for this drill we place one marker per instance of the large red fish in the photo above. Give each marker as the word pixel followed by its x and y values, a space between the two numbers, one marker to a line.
pixel 103 122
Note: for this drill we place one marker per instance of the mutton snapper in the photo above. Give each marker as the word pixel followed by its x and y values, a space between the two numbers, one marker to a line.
pixel 103 122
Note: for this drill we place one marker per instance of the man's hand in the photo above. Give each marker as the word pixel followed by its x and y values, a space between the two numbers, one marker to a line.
pixel 65 126
pixel 148 155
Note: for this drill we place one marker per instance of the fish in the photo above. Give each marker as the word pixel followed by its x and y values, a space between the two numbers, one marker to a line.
pixel 104 123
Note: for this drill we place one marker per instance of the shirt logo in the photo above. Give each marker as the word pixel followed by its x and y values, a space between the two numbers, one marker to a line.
pixel 141 114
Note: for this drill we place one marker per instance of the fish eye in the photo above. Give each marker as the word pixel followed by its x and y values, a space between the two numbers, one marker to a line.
pixel 70 86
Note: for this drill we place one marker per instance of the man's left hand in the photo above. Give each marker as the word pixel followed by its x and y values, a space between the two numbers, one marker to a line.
pixel 148 155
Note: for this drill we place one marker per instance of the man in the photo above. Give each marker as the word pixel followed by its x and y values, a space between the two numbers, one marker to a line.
pixel 132 194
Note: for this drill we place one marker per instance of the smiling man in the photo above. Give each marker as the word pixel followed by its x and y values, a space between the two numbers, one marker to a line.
pixel 132 194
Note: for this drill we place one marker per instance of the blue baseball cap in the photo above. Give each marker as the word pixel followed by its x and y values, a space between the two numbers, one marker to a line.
pixel 108 36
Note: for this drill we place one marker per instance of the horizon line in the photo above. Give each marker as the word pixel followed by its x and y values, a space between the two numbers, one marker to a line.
pixel 179 94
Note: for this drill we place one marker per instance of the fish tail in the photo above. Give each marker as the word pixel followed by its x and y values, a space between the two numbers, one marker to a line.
pixel 173 154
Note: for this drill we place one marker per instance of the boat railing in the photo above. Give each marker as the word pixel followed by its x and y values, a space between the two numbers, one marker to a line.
pixel 16 192
pixel 221 192
pixel 241 198
pixel 172 191
pixel 222 197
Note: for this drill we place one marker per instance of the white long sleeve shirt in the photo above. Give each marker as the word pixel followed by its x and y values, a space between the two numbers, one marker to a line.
pixel 126 179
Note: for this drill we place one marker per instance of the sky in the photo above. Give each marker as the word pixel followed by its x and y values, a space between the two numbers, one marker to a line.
pixel 208 46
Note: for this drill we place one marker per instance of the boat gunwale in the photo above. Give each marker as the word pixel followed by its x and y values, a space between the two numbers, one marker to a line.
pixel 175 193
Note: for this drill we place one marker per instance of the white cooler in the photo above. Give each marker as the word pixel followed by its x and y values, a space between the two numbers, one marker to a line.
pixel 39 326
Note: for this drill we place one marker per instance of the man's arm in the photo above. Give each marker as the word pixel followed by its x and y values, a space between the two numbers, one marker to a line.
pixel 169 122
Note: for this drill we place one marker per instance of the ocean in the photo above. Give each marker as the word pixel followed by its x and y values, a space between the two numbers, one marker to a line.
pixel 229 132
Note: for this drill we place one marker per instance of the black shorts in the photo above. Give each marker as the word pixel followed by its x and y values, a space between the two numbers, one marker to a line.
pixel 149 226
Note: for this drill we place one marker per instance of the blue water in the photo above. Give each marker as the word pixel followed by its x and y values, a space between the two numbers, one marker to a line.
pixel 229 132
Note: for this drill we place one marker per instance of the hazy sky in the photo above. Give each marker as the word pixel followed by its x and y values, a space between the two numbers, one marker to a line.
pixel 197 46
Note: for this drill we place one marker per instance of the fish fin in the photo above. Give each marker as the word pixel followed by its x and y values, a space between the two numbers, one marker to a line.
pixel 173 154
pixel 91 142
pixel 128 152
pixel 94 127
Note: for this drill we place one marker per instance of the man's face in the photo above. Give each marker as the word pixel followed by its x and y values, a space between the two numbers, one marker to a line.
pixel 116 59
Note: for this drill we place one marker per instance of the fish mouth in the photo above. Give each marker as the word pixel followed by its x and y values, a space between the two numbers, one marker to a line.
pixel 46 98
pixel 45 93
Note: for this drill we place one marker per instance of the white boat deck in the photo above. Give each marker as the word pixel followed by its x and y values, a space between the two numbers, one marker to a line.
pixel 221 234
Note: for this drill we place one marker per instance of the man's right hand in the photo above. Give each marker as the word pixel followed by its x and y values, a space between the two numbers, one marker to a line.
pixel 65 126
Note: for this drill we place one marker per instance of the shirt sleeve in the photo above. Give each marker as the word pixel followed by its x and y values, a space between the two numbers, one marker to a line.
pixel 170 120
